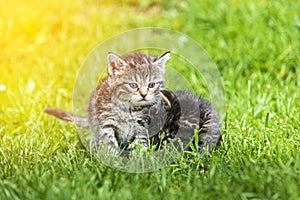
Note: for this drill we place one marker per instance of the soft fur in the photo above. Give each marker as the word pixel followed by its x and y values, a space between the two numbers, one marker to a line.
pixel 129 108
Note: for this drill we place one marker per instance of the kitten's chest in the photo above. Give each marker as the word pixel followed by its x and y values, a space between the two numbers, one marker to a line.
pixel 145 121
pixel 131 123
pixel 131 118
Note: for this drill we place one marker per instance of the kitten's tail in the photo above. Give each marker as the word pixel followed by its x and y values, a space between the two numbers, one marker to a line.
pixel 80 121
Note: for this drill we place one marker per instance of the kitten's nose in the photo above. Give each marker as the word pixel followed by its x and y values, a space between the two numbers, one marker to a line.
pixel 143 92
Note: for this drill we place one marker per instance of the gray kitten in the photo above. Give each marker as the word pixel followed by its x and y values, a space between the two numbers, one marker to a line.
pixel 129 108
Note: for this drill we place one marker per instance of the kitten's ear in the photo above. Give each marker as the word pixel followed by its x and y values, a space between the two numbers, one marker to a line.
pixel 162 59
pixel 116 65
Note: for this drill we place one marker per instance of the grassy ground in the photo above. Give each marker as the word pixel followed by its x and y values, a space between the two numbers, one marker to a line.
pixel 256 47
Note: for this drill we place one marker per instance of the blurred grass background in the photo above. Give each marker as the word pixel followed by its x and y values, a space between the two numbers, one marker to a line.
pixel 255 45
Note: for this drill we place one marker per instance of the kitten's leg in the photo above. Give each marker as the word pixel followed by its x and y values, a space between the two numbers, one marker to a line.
pixel 209 136
pixel 80 121
pixel 141 136
pixel 209 140
pixel 210 133
pixel 105 140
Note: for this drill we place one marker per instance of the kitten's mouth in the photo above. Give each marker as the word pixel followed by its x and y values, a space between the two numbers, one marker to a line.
pixel 143 101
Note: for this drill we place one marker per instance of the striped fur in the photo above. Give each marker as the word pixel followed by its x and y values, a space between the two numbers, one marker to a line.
pixel 129 107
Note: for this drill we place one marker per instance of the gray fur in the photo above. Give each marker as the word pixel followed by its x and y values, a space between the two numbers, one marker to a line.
pixel 129 107
pixel 199 114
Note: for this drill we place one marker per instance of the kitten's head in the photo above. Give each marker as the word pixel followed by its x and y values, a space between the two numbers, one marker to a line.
pixel 137 78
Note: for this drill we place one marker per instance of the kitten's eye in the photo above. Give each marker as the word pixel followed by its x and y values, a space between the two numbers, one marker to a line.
pixel 133 85
pixel 151 85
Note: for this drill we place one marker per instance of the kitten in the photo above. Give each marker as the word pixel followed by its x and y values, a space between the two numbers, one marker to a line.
pixel 200 117
pixel 129 108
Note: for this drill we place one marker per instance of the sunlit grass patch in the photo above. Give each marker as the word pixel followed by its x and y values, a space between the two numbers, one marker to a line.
pixel 255 45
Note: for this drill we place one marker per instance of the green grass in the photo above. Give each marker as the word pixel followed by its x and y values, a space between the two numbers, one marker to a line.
pixel 255 45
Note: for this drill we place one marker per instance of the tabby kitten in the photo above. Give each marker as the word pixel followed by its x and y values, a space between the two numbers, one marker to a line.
pixel 129 108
